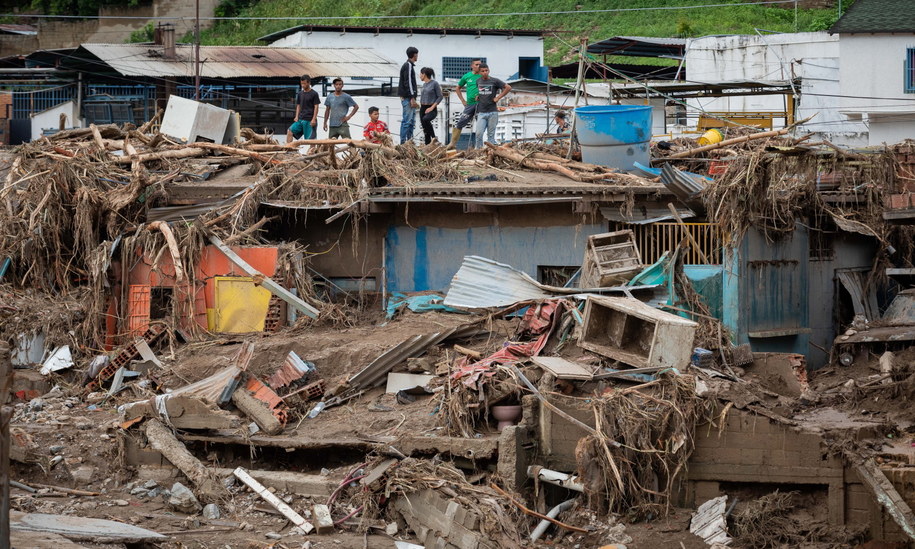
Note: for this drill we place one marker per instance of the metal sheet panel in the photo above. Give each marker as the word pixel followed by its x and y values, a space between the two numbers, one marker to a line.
pixel 241 306
pixel 644 215
pixel 685 186
pixel 239 61
pixel 774 286
pixel 481 283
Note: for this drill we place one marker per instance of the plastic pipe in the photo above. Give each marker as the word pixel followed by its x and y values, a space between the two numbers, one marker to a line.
pixel 554 512
pixel 565 480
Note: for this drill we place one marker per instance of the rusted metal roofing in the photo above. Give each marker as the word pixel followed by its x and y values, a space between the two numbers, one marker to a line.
pixel 403 30
pixel 11 28
pixel 236 61
pixel 640 46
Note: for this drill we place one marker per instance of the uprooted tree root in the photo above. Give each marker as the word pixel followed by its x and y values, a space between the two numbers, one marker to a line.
pixel 498 518
pixel 769 522
pixel 771 191
pixel 643 441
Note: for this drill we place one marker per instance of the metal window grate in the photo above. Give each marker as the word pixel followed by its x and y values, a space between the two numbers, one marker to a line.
pixel 655 239
pixel 456 67
pixel 35 100
pixel 910 70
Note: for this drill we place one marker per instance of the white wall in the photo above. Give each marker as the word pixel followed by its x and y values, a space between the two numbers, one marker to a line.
pixel 501 52
pixel 873 82
pixel 50 119
pixel 812 56
pixel 515 122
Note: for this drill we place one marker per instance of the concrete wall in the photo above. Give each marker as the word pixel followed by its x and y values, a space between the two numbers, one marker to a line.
pixel 50 119
pixel 747 449
pixel 872 79
pixel 805 290
pixel 423 251
pixel 812 56
pixel 501 52
pixel 17 44
pixel 420 247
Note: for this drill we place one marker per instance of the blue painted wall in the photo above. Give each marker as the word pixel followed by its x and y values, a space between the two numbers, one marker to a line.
pixel 707 281
pixel 426 258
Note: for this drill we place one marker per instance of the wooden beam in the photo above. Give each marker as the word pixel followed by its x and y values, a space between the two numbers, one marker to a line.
pixel 276 502
pixel 266 282
pixel 886 494
pixel 6 414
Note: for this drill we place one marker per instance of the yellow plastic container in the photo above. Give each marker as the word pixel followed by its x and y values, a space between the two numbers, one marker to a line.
pixel 711 137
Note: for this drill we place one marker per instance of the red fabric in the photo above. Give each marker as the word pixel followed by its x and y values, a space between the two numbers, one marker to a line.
pixel 538 321
pixel 378 126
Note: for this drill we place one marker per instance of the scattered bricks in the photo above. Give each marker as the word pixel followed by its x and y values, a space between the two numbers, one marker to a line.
pixel 324 524
pixel 130 352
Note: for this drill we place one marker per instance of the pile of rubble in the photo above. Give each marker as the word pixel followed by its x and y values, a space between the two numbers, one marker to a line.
pixel 504 413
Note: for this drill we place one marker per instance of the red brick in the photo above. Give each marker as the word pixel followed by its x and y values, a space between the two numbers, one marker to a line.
pixel 898 201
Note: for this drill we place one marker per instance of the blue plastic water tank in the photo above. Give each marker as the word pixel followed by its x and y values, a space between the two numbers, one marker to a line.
pixel 614 135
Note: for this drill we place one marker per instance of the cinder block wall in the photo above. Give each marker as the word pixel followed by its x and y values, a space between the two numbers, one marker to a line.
pixel 748 448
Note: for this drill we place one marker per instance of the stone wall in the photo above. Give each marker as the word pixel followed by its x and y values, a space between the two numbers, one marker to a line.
pixel 71 33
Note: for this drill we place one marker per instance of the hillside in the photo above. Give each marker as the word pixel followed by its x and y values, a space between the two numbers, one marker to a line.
pixel 679 20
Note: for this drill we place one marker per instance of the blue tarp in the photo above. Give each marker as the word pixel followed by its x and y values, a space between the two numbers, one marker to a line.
pixel 417 304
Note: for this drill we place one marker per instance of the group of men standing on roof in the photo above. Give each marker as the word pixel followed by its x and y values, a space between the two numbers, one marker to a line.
pixel 483 93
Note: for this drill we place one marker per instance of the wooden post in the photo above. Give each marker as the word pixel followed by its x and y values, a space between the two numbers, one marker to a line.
pixel 6 379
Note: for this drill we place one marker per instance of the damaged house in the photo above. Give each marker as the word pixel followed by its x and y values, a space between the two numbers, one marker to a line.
pixel 410 346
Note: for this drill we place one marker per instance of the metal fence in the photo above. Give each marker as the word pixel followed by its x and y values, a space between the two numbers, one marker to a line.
pixel 29 99
pixel 656 238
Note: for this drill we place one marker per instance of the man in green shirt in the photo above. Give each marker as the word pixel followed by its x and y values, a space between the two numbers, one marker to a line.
pixel 468 82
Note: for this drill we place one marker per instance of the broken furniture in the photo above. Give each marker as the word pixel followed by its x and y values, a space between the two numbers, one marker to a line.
pixel 610 259
pixel 636 334
pixel 896 327
pixel 189 121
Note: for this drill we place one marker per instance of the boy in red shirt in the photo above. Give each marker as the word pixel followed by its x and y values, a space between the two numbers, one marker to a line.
pixel 375 127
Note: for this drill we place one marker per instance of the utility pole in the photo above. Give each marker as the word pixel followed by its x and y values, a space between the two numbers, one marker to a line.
pixel 197 53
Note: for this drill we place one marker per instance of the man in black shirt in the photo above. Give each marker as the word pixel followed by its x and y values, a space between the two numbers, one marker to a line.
pixel 406 89
pixel 306 112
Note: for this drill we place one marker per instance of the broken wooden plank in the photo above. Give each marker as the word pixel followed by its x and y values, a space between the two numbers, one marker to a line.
pixel 185 412
pixel 886 493
pixel 276 502
pixel 265 281
pixel 378 471
pixel 208 487
pixel 564 369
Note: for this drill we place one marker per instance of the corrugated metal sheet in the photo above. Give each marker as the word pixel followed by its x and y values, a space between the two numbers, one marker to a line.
pixel 374 374
pixel 482 283
pixel 644 215
pixel 240 61
pixel 640 46
pixel 685 186
pixel 12 28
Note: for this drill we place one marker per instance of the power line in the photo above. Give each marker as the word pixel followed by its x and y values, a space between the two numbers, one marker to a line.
pixel 442 16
